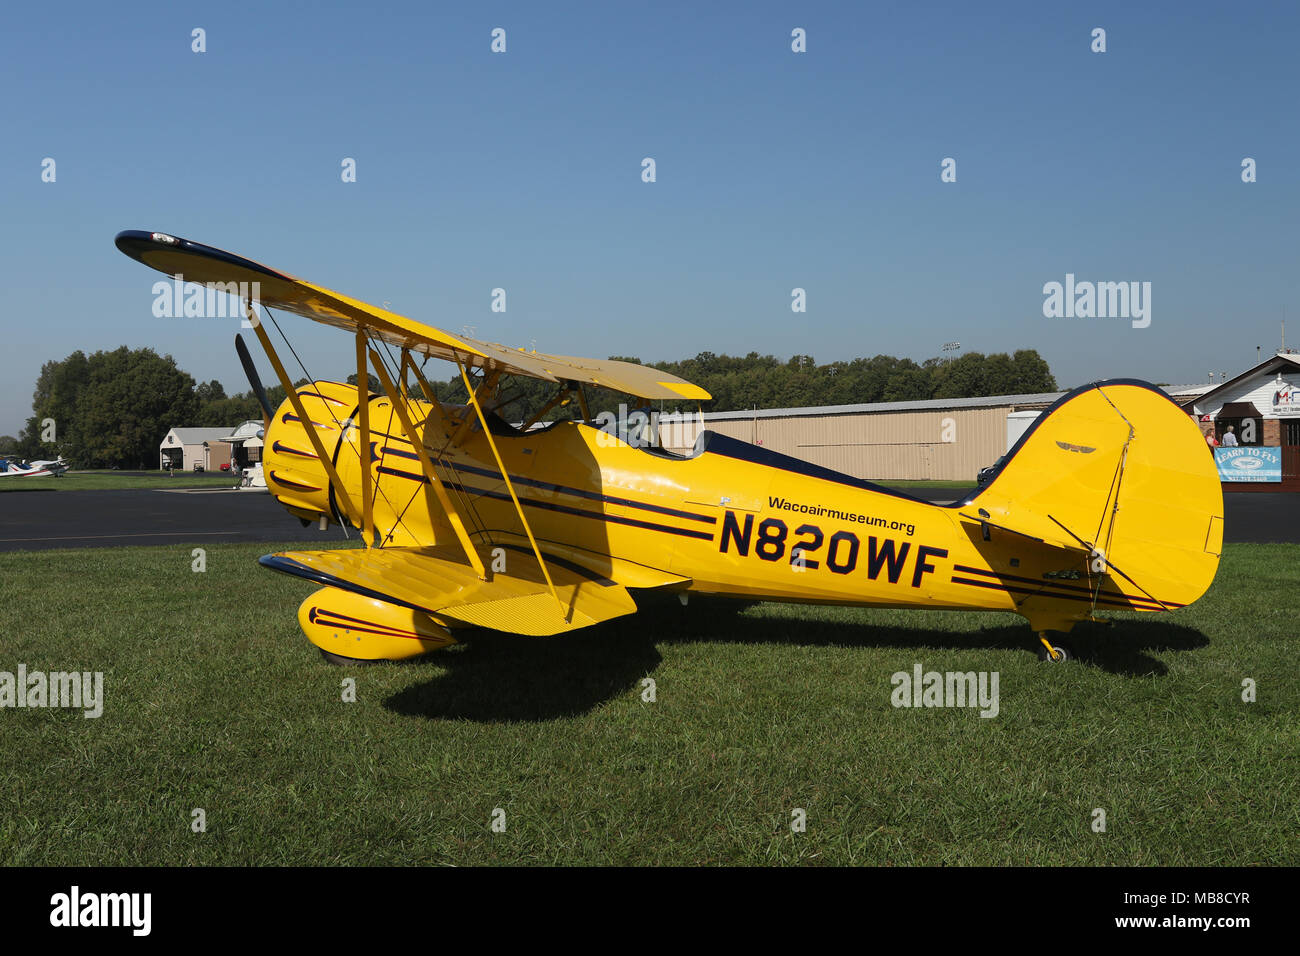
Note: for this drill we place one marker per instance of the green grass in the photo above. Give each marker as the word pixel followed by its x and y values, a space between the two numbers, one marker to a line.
pixel 110 481
pixel 215 700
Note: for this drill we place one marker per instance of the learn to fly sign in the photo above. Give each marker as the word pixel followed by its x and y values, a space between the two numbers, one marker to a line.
pixel 1249 463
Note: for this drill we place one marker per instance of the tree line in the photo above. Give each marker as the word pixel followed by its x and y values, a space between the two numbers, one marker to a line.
pixel 765 381
pixel 112 408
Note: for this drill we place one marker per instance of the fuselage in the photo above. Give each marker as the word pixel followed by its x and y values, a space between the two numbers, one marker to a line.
pixel 734 519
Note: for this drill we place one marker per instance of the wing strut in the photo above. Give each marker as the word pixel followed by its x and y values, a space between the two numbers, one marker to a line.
pixel 563 397
pixel 489 382
pixel 435 406
pixel 363 413
pixel 308 425
pixel 453 516
pixel 487 433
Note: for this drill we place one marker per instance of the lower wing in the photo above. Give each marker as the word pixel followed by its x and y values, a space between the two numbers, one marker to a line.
pixel 439 583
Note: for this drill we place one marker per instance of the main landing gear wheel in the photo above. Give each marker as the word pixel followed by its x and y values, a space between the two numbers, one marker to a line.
pixel 1052 652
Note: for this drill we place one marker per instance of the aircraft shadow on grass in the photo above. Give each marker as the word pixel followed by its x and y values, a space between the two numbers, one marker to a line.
pixel 500 677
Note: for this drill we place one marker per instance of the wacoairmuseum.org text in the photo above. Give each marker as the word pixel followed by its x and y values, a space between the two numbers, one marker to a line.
pixel 781 504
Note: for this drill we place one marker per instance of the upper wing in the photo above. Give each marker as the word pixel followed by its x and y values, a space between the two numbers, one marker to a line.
pixel 195 262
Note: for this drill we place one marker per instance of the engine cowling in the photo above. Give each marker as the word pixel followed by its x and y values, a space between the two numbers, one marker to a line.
pixel 293 471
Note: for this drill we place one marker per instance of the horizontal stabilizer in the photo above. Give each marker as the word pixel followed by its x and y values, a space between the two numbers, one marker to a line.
pixel 1033 534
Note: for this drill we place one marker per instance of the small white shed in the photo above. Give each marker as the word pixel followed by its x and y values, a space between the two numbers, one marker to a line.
pixel 183 448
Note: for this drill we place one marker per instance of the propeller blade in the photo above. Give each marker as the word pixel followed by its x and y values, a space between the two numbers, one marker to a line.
pixel 250 370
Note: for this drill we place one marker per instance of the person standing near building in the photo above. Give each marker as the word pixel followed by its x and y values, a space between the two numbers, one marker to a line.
pixel 1229 439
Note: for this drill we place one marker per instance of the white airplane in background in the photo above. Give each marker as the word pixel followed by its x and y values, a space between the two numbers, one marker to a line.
pixel 37 469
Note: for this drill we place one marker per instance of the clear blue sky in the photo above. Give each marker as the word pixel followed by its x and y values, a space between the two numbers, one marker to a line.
pixel 775 170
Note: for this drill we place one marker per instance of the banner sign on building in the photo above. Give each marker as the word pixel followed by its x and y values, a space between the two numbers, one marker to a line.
pixel 1286 399
pixel 1249 463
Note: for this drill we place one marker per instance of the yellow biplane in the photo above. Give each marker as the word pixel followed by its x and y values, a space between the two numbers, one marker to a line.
pixel 1109 502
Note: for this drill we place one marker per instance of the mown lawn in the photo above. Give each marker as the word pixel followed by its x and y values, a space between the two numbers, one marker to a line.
pixel 214 700
pixel 112 480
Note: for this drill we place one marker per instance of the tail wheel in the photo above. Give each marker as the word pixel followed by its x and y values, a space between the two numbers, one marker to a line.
pixel 1054 653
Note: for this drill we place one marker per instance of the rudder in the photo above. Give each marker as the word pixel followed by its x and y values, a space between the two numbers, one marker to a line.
pixel 1117 466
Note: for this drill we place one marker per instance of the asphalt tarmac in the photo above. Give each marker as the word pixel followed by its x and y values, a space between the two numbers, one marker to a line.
pixel 40 519
pixel 37 520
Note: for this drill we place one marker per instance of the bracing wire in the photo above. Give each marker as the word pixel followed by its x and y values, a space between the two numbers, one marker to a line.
pixel 439 462
pixel 341 426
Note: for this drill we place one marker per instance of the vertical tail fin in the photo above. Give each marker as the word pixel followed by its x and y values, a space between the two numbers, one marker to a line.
pixel 1117 467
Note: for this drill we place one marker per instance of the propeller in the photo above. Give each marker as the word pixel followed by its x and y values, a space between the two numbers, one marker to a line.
pixel 250 370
